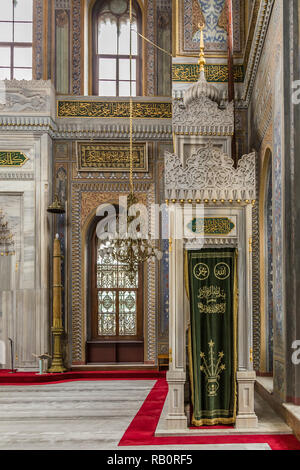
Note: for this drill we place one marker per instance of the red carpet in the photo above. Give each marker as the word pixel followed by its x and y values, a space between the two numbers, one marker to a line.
pixel 141 430
pixel 31 378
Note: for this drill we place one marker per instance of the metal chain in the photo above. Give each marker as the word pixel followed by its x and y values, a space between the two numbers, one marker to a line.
pixel 131 102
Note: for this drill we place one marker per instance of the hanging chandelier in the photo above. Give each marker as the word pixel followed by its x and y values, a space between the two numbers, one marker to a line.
pixel 129 246
pixel 6 237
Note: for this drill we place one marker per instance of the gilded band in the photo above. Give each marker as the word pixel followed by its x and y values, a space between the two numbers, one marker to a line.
pixel 115 109
pixel 213 73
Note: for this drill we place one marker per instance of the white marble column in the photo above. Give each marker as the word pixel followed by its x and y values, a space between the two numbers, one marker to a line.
pixel 246 376
pixel 176 376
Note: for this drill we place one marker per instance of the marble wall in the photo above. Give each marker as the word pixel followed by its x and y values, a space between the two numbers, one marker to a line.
pixel 269 290
pixel 267 130
pixel 291 197
pixel 274 122
pixel 24 295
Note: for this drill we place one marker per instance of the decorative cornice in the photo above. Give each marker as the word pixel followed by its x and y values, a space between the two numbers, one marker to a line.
pixel 251 31
pixel 253 54
pixel 114 130
pixel 223 241
pixel 26 84
pixel 87 129
pixel 111 186
pixel 16 175
pixel 40 124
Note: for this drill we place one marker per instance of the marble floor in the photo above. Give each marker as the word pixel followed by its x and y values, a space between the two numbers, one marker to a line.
pixel 81 415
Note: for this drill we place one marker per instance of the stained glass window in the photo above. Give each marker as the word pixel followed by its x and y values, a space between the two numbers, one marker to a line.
pixel 127 313
pixel 16 39
pixel 112 75
pixel 117 298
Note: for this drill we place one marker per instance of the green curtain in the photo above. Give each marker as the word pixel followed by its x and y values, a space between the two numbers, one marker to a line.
pixel 212 283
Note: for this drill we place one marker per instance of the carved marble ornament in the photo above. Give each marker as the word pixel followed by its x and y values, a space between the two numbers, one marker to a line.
pixel 210 174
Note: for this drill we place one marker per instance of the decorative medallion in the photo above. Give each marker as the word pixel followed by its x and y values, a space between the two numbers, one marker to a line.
pixel 222 271
pixel 113 109
pixel 12 158
pixel 201 271
pixel 108 156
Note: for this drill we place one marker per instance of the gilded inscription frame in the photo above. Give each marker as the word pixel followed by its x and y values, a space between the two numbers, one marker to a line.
pixel 120 151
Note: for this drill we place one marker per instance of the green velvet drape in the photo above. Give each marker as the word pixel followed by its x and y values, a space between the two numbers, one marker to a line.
pixel 212 276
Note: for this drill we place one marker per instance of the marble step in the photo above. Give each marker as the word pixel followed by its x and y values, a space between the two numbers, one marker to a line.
pixel 72 400
pixel 70 408
pixel 68 387
pixel 62 426
pixel 59 440
pixel 66 414
pixel 63 398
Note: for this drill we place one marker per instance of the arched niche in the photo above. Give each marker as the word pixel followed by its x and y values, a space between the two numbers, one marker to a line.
pixel 147 282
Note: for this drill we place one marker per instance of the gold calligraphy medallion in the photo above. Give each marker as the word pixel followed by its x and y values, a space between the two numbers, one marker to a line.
pixel 222 271
pixel 201 271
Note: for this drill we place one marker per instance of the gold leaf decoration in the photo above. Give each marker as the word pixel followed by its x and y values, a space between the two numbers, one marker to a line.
pixel 223 18
pixel 198 17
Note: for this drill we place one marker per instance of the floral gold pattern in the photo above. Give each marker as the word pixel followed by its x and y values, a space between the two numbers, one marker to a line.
pixel 212 369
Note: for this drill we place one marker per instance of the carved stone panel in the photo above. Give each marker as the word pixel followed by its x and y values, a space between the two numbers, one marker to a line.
pixel 210 174
pixel 202 116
